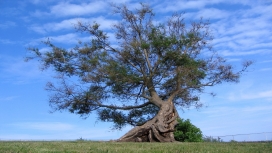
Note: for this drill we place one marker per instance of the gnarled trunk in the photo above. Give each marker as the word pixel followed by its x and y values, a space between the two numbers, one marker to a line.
pixel 159 129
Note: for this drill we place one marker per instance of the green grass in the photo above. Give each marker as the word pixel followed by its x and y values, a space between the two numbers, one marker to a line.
pixel 117 147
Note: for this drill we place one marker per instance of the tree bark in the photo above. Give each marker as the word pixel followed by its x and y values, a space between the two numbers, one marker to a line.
pixel 158 129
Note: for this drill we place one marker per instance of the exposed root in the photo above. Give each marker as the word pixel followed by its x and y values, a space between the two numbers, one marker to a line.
pixel 159 129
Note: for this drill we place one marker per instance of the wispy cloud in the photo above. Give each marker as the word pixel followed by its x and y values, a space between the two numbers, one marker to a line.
pixel 266 61
pixel 243 34
pixel 211 13
pixel 266 69
pixel 71 23
pixel 226 111
pixel 49 27
pixel 40 1
pixel 17 71
pixel 119 1
pixel 69 9
pixel 70 38
pixel 180 5
pixel 177 5
pixel 248 95
pixel 243 52
pixel 6 41
pixel 241 31
pixel 45 126
pixel 225 120
pixel 7 24
pixel 58 131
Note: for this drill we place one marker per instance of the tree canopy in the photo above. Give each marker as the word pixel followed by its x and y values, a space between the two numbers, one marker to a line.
pixel 128 80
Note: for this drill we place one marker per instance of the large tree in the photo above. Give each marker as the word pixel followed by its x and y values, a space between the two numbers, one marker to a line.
pixel 142 77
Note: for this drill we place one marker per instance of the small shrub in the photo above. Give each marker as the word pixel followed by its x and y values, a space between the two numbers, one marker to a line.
pixel 185 131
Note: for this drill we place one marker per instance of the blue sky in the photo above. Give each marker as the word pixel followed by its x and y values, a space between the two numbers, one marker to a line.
pixel 241 28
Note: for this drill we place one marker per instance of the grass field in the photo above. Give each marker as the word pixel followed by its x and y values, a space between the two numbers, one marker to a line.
pixel 115 147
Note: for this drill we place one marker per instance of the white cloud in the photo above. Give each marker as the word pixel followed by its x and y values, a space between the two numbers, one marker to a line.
pixel 70 38
pixel 40 14
pixel 266 69
pixel 45 126
pixel 69 9
pixel 245 34
pixel 234 59
pixel 7 24
pixel 17 71
pixel 69 24
pixel 242 95
pixel 103 22
pixel 36 1
pixel 179 6
pixel 239 32
pixel 231 111
pixel 242 52
pixel 119 1
pixel 267 61
pixel 49 27
pixel 40 1
pixel 261 9
pixel 6 41
pixel 38 29
pixel 257 109
pixel 264 45
pixel 22 68
pixel 232 119
pixel 211 13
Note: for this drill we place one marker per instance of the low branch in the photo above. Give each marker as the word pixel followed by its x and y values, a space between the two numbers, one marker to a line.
pixel 124 107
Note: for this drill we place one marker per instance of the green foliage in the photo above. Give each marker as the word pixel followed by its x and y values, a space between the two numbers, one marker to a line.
pixel 185 131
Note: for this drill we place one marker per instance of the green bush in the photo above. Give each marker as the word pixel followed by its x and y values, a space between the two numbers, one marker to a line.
pixel 185 131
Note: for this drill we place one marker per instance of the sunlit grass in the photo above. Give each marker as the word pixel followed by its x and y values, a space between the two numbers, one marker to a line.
pixel 116 147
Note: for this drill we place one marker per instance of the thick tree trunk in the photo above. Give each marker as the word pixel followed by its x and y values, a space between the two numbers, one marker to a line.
pixel 159 129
